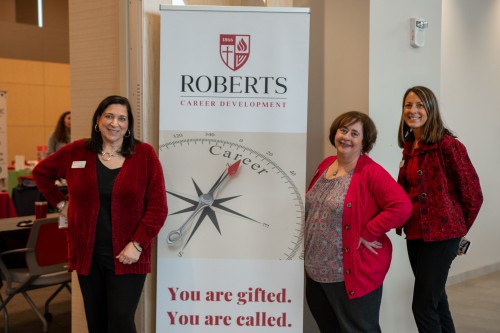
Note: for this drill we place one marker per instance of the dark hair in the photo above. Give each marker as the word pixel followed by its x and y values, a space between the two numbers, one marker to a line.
pixel 433 129
pixel 351 117
pixel 95 142
pixel 61 133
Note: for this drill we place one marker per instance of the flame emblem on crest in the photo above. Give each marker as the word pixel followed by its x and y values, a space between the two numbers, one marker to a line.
pixel 234 50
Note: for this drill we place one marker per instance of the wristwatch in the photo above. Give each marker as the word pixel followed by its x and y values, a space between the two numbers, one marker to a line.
pixel 61 205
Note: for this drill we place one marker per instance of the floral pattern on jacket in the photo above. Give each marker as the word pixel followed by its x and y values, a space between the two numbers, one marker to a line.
pixel 450 194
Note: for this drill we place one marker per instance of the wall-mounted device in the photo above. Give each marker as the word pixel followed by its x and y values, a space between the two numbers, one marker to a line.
pixel 417 28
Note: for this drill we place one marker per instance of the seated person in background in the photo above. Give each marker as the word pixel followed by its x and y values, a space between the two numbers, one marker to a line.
pixel 62 133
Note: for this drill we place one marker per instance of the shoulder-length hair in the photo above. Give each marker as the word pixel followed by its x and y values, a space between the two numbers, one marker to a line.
pixel 95 142
pixel 433 129
pixel 62 133
pixel 351 117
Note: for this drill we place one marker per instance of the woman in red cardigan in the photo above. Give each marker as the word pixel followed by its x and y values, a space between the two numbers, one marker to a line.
pixel 446 196
pixel 351 204
pixel 116 207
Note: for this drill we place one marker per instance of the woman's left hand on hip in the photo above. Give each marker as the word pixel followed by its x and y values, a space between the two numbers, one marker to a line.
pixel 371 246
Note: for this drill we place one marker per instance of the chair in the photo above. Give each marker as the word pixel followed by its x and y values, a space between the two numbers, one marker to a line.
pixel 46 265
pixel 25 195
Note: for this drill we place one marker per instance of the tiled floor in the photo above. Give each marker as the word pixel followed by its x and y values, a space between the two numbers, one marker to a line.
pixel 475 305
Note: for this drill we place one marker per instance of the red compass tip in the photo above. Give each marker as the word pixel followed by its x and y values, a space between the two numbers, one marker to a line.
pixel 233 168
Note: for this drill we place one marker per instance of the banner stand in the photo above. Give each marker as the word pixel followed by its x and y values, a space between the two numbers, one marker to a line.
pixel 233 122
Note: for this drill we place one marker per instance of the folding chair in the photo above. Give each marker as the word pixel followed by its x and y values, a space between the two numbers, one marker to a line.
pixel 46 265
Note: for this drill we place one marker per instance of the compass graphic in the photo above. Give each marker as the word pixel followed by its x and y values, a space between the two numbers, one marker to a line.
pixel 227 200
pixel 203 205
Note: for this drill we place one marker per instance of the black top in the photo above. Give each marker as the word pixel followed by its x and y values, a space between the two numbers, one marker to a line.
pixel 105 181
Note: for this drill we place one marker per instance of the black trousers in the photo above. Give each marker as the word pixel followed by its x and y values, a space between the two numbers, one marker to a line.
pixel 110 300
pixel 334 312
pixel 431 262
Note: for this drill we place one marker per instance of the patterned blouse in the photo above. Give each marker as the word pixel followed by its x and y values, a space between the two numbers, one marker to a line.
pixel 323 231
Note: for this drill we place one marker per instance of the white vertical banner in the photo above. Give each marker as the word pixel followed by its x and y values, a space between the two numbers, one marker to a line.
pixel 233 112
pixel 4 163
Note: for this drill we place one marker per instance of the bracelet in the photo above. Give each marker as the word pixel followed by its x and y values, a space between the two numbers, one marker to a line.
pixel 136 247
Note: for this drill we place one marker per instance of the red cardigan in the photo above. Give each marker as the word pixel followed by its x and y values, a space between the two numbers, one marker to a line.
pixel 138 207
pixel 374 204
pixel 450 193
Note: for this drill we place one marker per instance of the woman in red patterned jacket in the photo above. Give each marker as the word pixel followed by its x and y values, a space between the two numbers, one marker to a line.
pixel 117 205
pixel 351 204
pixel 444 188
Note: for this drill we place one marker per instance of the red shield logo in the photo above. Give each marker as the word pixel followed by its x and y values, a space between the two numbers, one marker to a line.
pixel 234 50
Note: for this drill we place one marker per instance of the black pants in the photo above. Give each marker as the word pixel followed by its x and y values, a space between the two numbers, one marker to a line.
pixel 430 262
pixel 334 312
pixel 110 300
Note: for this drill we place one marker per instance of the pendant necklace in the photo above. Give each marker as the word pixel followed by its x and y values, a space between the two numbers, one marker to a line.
pixel 109 155
pixel 347 168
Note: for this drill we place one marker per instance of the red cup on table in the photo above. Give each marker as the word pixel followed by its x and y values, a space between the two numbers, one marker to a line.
pixel 41 209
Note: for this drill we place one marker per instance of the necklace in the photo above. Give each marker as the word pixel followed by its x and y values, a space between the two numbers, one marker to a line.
pixel 347 168
pixel 109 155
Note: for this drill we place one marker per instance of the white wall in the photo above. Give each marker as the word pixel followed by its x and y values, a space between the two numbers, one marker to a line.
pixel 394 67
pixel 470 83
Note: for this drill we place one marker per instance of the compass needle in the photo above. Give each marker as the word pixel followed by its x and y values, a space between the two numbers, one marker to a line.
pixel 200 219
pixel 233 168
pixel 205 200
pixel 174 235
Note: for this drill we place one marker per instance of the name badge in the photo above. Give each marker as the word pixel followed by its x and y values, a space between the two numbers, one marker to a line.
pixel 78 164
